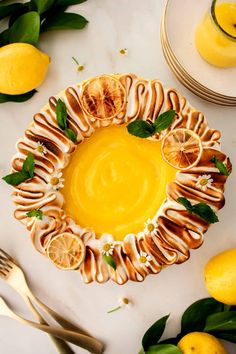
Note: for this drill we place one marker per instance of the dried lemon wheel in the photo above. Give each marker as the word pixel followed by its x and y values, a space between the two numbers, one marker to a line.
pixel 66 251
pixel 103 97
pixel 182 149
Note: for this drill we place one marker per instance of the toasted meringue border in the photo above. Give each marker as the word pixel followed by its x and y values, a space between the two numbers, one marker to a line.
pixel 177 230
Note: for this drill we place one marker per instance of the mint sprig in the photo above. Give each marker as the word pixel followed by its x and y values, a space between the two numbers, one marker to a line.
pixel 202 210
pixel 220 165
pixel 37 213
pixel 144 129
pixel 61 114
pixel 27 172
pixel 110 261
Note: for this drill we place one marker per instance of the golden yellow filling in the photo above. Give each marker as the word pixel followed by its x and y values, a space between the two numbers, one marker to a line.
pixel 115 182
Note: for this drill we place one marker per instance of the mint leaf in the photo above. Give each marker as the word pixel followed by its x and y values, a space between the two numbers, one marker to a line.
pixel 186 203
pixel 221 167
pixel 29 165
pixel 164 120
pixel 16 98
pixel 16 178
pixel 141 128
pixel 35 213
pixel 25 29
pixel 110 261
pixel 205 212
pixel 154 333
pixel 202 210
pixel 61 114
pixel 71 135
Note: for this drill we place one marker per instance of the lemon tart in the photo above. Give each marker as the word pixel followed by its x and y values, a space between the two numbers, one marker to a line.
pixel 114 192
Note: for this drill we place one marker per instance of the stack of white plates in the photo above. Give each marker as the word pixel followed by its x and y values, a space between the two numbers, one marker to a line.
pixel 178 27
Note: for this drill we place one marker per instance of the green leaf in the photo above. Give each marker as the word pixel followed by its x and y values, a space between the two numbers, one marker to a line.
pixel 164 120
pixel 61 114
pixel 16 178
pixel 71 135
pixel 202 210
pixel 163 349
pixel 25 29
pixel 21 11
pixel 4 38
pixel 29 165
pixel 221 167
pixel 229 336
pixel 7 10
pixel 222 321
pixel 37 213
pixel 205 212
pixel 141 128
pixel 41 6
pixel 195 316
pixel 110 261
pixel 16 98
pixel 186 203
pixel 67 3
pixel 63 20
pixel 154 333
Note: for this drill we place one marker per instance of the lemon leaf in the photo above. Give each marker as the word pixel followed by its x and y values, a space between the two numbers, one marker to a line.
pixel 25 29
pixel 154 333
pixel 223 321
pixel 7 10
pixel 141 128
pixel 164 120
pixel 110 261
pixel 16 98
pixel 220 165
pixel 37 213
pixel 4 38
pixel 163 349
pixel 41 6
pixel 63 20
pixel 69 2
pixel 29 165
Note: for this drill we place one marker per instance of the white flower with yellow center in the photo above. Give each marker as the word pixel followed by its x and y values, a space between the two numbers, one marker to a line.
pixel 150 227
pixel 41 149
pixel 144 259
pixel 204 182
pixel 56 181
pixel 123 302
pixel 107 249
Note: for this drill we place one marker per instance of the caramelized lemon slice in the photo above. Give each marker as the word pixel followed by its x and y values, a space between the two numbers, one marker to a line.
pixel 103 97
pixel 182 149
pixel 66 251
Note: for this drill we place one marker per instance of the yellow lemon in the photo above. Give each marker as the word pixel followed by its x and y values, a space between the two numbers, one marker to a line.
pixel 200 343
pixel 22 68
pixel 220 277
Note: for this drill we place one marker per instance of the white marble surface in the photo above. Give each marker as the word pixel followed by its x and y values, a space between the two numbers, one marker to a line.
pixel 114 24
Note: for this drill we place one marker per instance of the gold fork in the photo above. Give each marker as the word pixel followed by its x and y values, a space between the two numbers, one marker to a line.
pixel 11 272
pixel 88 343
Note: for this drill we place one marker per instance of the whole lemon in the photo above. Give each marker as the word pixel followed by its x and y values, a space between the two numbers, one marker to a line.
pixel 22 68
pixel 200 343
pixel 220 277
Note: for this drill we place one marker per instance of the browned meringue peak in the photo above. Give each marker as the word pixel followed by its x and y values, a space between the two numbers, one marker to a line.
pixel 177 232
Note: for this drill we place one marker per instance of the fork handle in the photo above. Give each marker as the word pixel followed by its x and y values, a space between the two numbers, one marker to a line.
pixel 58 318
pixel 61 346
pixel 91 344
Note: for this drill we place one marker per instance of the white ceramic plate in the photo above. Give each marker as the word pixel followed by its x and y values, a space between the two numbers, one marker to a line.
pixel 181 19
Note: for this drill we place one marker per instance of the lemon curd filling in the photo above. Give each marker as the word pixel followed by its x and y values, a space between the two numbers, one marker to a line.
pixel 115 182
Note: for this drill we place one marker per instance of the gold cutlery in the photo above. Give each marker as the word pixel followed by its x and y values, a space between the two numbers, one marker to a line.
pixel 88 343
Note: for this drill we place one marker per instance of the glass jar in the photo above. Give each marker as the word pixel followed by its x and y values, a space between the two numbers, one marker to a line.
pixel 215 35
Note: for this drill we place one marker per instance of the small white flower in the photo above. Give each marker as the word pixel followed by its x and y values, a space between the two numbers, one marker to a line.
pixel 56 181
pixel 144 259
pixel 107 249
pixel 41 149
pixel 123 51
pixel 204 182
pixel 150 227
pixel 123 302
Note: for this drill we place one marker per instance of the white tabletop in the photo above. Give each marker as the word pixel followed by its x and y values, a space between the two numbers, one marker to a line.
pixel 131 24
